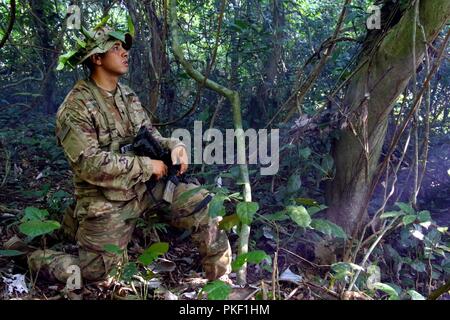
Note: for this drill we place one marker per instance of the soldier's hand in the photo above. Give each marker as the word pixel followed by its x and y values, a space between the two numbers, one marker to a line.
pixel 159 169
pixel 179 156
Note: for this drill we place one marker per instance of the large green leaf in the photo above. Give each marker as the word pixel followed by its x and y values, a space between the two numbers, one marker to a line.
pixel 246 211
pixel 408 219
pixel 393 295
pixel 37 228
pixel 299 215
pixel 415 295
pixel 217 290
pixel 250 257
pixel 328 228
pixel 277 216
pixel 216 207
pixel 405 207
pixel 35 214
pixel 129 270
pixel 154 251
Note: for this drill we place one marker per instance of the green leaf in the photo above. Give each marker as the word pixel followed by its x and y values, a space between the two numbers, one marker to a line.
pixel 60 66
pixel 216 207
pixel 35 214
pixel 217 290
pixel 343 269
pixel 405 207
pixel 294 184
pixel 250 257
pixel 103 22
pixel 327 163
pixel 305 153
pixel 229 222
pixel 112 248
pixel 392 214
pixel 131 28
pixel 315 209
pixel 154 251
pixel 80 42
pixel 408 219
pixel 10 253
pixel 64 58
pixel 424 216
pixel 415 295
pixel 277 216
pixel 299 215
pixel 129 270
pixel 38 228
pixel 393 295
pixel 246 211
pixel 328 228
pixel 419 266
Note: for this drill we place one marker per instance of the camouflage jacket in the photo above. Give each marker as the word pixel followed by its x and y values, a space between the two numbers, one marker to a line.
pixel 90 132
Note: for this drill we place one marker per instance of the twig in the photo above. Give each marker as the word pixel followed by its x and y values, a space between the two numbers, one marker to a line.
pixel 305 260
pixel 369 252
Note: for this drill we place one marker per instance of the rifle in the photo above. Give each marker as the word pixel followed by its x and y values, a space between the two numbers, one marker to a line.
pixel 144 144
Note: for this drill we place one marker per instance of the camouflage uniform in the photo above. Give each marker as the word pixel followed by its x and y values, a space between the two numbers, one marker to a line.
pixel 110 186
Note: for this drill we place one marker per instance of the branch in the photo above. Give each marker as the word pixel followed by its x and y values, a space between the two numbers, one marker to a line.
pixel 208 70
pixel 440 291
pixel 178 52
pixel 12 19
pixel 297 97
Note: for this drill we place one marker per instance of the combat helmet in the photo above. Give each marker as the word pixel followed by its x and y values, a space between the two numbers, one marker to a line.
pixel 99 40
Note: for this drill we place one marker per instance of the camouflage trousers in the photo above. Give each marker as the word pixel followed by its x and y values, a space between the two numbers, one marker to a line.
pixel 103 222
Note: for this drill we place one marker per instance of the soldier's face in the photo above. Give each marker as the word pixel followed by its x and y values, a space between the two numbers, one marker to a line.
pixel 115 61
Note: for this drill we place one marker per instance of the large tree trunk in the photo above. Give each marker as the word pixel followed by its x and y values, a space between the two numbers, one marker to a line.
pixel 371 95
pixel 259 103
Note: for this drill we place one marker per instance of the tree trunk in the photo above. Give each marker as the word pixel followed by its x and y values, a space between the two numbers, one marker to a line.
pixel 369 99
pixel 41 21
pixel 259 105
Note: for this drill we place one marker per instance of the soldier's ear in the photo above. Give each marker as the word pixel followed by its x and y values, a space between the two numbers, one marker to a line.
pixel 96 59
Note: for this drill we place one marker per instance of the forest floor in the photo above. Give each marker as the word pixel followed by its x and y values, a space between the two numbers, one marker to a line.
pixel 34 173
